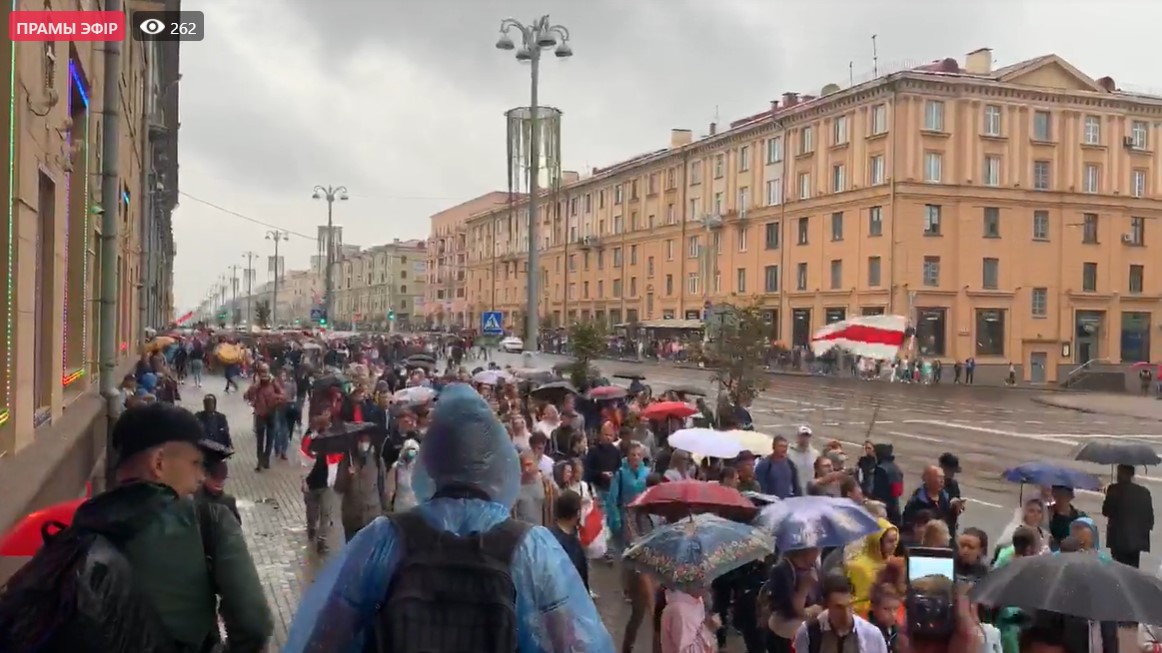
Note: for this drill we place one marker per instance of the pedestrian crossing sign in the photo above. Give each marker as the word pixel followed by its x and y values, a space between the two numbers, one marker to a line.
pixel 492 323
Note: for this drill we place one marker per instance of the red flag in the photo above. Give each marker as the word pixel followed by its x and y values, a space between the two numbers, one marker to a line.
pixel 591 526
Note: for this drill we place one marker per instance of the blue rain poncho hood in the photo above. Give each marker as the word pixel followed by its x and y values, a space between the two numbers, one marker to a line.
pixel 466 448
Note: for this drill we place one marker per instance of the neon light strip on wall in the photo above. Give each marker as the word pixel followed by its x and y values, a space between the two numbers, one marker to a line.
pixel 76 83
pixel 11 293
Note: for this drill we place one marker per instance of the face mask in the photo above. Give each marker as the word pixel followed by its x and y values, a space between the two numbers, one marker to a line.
pixel 409 454
pixel 364 447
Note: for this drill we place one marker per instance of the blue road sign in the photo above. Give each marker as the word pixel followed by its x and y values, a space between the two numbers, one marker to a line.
pixel 316 314
pixel 492 323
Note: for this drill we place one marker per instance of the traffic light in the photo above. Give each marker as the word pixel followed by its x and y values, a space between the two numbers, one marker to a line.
pixel 391 316
pixel 323 321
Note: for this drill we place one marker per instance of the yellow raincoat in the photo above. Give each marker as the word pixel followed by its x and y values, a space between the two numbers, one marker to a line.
pixel 862 568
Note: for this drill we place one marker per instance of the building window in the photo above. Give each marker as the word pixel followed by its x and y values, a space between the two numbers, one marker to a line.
pixel 692 283
pixel 671 214
pixel 649 267
pixel 990 272
pixel 1089 228
pixel 934 116
pixel 1040 225
pixel 1137 279
pixel 669 284
pixel 694 212
pixel 740 236
pixel 801 276
pixel 932 271
pixel 1089 277
pixel 692 247
pixel 744 158
pixel 1039 302
pixel 933 167
pixel 1139 131
pixel 932 219
pixel 931 331
pixel 803 230
pixel 992 120
pixel 836 274
pixel 1138 183
pixel 719 166
pixel 695 174
pixel 718 203
pixel 669 251
pixel 806 140
pixel 1042 126
pixel 839 130
pixel 838 178
pixel 1138 231
pixel 740 281
pixel 992 222
pixel 774 192
pixel 873 271
pixel 771 235
pixel 1091 133
pixel 1041 179
pixel 1135 337
pixel 804 185
pixel 875 221
pixel 617 194
pixel 1091 183
pixel 837 225
pixel 800 327
pixel 990 332
pixel 992 171
pixel 875 170
pixel 879 119
pixel 775 149
pixel 771 278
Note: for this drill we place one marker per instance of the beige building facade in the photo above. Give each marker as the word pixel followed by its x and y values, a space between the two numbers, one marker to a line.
pixel 446 300
pixel 381 287
pixel 1011 212
pixel 50 258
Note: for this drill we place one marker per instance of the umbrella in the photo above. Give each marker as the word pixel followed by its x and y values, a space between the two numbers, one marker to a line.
pixel 554 391
pixel 1076 584
pixel 1140 364
pixel 421 358
pixel 491 377
pixel 752 441
pixel 340 438
pixel 157 344
pixel 704 442
pixel 691 553
pixel 816 522
pixel 1118 453
pixel 427 366
pixel 328 382
pixel 414 395
pixel 1044 474
pixel 668 409
pixel 25 538
pixel 214 450
pixel 688 390
pixel 534 375
pixel 606 392
pixel 683 498
pixel 760 499
pixel 630 376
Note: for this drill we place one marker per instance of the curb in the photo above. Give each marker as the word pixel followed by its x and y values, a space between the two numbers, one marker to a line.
pixel 1052 404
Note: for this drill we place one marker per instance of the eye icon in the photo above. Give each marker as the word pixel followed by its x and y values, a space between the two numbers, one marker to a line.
pixel 152 26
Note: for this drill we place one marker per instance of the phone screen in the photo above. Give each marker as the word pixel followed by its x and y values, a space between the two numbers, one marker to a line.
pixel 924 566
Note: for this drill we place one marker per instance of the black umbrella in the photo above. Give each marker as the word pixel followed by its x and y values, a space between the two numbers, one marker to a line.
pixel 1105 452
pixel 340 438
pixel 214 450
pixel 554 391
pixel 427 358
pixel 630 376
pixel 567 368
pixel 419 364
pixel 1076 584
pixel 688 390
pixel 328 382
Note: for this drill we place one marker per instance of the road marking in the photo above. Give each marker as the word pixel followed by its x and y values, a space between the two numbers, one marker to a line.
pixel 922 438
pixel 1039 437
pixel 1033 421
pixel 990 504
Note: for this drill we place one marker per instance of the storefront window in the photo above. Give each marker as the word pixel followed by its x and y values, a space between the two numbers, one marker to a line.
pixel 800 327
pixel 835 315
pixel 931 331
pixel 872 310
pixel 771 319
pixel 990 332
pixel 1135 337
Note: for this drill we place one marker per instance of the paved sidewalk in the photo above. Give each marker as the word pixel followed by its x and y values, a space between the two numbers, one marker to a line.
pixel 1144 408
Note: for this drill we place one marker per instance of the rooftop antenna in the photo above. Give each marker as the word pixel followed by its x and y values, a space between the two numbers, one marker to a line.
pixel 851 73
pixel 875 58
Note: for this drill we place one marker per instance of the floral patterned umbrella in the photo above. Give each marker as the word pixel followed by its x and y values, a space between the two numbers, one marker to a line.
pixel 816 522
pixel 690 553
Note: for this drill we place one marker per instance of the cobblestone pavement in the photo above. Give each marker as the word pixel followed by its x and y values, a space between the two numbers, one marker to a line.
pixel 1138 407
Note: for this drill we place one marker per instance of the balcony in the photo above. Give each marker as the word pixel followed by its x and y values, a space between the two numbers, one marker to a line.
pixel 591 242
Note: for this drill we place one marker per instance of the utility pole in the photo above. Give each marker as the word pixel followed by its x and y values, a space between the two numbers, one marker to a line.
pixel 330 193
pixel 234 285
pixel 110 232
pixel 249 256
pixel 276 236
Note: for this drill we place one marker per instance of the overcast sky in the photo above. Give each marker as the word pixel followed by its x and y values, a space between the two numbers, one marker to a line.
pixel 402 100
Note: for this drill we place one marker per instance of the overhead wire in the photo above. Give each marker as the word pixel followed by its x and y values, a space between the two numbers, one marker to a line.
pixel 242 216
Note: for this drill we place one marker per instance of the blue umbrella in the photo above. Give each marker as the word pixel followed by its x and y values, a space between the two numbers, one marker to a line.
pixel 1052 474
pixel 816 522
pixel 690 553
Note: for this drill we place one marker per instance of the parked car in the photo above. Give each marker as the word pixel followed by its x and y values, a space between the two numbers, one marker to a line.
pixel 512 345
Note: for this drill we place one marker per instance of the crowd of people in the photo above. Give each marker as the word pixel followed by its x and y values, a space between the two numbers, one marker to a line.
pixel 464 498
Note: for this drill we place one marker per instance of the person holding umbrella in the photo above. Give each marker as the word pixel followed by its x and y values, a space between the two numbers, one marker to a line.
pixel 1129 509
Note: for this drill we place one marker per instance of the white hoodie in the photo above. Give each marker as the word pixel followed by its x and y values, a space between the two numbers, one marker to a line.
pixel 400 494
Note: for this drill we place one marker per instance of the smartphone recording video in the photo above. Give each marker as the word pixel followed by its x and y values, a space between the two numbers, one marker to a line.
pixel 925 562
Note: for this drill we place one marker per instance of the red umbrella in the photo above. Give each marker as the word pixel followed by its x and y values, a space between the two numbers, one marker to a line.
pixel 668 409
pixel 26 537
pixel 606 392
pixel 684 498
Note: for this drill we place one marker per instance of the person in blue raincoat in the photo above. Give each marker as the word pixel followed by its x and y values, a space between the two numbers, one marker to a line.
pixel 466 447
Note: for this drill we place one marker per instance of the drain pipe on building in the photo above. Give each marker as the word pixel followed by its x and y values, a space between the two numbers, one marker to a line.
pixel 110 206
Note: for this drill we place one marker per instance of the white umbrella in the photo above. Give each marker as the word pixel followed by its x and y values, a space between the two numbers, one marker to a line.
pixel 415 394
pixel 705 442
pixel 491 377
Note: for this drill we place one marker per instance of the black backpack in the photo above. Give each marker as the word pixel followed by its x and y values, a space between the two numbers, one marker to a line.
pixel 450 594
pixel 78 595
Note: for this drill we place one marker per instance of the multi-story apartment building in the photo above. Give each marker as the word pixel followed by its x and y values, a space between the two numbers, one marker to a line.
pixel 379 287
pixel 446 300
pixel 1011 212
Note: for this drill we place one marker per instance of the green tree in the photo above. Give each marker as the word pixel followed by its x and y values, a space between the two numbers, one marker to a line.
pixel 586 343
pixel 736 352
pixel 262 313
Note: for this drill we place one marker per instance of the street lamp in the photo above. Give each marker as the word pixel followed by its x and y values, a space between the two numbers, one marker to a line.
pixel 535 38
pixel 276 236
pixel 329 193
